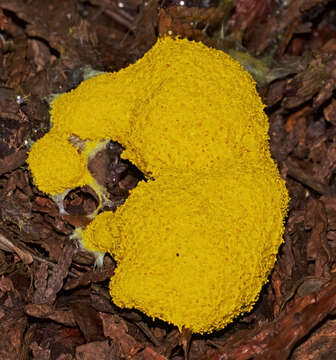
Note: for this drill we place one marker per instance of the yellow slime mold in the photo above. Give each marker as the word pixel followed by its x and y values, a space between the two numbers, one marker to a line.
pixel 195 245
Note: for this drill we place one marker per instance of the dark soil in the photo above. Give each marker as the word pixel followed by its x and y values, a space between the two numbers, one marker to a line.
pixel 54 303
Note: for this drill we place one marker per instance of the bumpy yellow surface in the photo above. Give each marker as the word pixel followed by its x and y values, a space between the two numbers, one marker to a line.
pixel 195 245
pixel 56 164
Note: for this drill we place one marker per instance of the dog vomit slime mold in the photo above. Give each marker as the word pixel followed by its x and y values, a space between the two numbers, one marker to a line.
pixel 197 241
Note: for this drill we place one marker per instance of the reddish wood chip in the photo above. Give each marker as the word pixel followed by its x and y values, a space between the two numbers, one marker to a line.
pixel 12 161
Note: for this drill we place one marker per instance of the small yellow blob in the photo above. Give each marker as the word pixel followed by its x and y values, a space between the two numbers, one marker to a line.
pixel 195 245
pixel 56 165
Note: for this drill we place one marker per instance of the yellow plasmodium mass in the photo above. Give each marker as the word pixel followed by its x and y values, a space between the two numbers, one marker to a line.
pixel 195 245
pixel 56 165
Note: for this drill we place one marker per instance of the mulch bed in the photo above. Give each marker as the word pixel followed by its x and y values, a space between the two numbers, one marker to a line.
pixel 54 303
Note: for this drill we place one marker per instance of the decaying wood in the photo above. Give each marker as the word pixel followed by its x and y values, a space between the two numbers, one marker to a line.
pixel 54 303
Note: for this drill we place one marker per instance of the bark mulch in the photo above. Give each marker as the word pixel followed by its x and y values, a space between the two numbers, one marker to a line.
pixel 54 303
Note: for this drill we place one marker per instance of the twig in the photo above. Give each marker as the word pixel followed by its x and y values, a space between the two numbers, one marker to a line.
pixel 25 255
